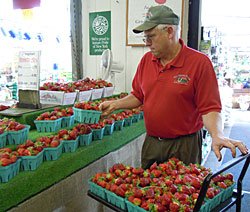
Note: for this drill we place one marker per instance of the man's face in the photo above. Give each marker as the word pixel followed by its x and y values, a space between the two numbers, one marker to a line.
pixel 157 40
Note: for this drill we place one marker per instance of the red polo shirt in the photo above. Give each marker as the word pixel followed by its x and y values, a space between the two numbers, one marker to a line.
pixel 175 96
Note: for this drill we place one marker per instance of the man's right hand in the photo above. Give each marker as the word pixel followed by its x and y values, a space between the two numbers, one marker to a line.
pixel 107 107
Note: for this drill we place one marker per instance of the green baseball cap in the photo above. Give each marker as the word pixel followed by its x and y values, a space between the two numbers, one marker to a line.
pixel 158 15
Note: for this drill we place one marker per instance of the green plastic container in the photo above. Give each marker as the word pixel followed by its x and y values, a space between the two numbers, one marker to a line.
pixel 70 145
pixel 128 121
pixel 10 171
pixel 109 129
pixel 67 121
pixel 18 137
pixel 86 116
pixel 31 163
pixel 85 139
pixel 3 139
pixel 53 153
pixel 133 208
pixel 48 125
pixel 119 125
pixel 115 200
pixel 98 134
pixel 136 117
pixel 97 190
pixel 141 115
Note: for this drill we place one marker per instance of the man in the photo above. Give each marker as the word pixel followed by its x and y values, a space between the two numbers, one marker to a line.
pixel 179 92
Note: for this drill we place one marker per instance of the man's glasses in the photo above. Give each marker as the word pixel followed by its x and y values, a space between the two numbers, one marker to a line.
pixel 148 38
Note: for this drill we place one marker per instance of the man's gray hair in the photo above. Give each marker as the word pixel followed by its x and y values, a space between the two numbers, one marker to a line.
pixel 176 28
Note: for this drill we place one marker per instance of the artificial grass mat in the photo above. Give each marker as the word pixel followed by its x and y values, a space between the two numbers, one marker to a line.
pixel 29 183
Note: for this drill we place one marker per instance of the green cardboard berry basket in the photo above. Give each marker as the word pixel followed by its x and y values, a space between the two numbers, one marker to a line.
pixel 85 139
pixel 3 139
pixel 133 208
pixel 10 171
pixel 128 121
pixel 224 194
pixel 31 163
pixel 70 145
pixel 48 125
pixel 228 192
pixel 97 190
pixel 67 121
pixel 109 129
pixel 119 125
pixel 141 115
pixel 18 137
pixel 98 134
pixel 115 199
pixel 86 116
pixel 136 117
pixel 53 153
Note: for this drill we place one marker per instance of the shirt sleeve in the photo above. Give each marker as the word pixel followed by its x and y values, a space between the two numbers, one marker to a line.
pixel 136 83
pixel 207 96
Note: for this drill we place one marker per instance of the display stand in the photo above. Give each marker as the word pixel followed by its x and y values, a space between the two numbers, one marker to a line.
pixel 29 99
pixel 234 199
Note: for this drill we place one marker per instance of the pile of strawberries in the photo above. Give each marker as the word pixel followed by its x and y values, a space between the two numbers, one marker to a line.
pixel 7 156
pixel 169 186
pixel 90 105
pixel 56 114
pixel 7 124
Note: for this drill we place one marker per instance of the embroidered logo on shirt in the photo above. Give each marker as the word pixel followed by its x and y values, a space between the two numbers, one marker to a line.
pixel 181 79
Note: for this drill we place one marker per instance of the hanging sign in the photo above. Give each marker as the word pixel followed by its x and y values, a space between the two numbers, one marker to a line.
pixel 29 70
pixel 136 13
pixel 99 32
pixel 26 4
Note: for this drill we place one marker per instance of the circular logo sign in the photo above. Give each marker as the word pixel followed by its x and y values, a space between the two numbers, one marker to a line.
pixel 100 25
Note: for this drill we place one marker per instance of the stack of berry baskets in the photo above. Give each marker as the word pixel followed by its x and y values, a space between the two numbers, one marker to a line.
pixel 9 164
pixel 12 132
pixel 119 121
pixel 84 134
pixel 87 112
pixel 31 155
pixel 70 139
pixel 98 130
pixel 128 117
pixel 52 147
pixel 48 122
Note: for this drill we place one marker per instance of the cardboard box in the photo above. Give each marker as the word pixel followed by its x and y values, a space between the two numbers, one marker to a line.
pixel 83 95
pixel 97 93
pixel 108 91
pixel 57 97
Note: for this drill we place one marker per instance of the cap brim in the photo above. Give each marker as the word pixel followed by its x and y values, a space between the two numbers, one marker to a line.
pixel 143 27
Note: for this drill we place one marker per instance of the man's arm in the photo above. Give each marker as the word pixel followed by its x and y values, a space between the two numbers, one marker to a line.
pixel 213 123
pixel 127 102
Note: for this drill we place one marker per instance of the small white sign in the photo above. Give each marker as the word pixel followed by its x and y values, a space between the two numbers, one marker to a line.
pixel 84 95
pixel 97 93
pixel 29 70
pixel 57 97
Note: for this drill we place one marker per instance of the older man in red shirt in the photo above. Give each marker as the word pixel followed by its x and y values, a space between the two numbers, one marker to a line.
pixel 179 92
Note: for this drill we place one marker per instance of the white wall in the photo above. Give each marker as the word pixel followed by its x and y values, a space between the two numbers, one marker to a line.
pixel 127 55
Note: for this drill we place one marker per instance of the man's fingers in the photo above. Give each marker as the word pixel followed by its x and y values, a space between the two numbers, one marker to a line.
pixel 217 153
pixel 241 146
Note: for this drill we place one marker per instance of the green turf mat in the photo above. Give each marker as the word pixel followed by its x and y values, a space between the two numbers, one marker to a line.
pixel 29 183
